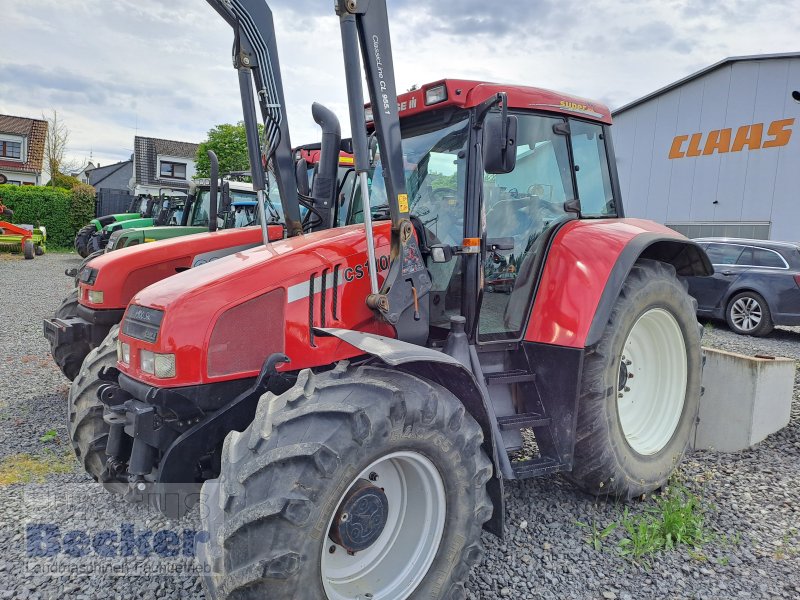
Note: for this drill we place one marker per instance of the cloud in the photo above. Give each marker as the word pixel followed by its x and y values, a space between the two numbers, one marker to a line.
pixel 113 69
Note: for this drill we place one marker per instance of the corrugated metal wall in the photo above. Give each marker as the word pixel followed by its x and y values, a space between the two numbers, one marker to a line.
pixel 751 185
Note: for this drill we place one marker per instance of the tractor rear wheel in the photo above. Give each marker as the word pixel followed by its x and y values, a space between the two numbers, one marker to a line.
pixel 69 357
pixel 356 483
pixel 640 387
pixel 28 250
pixel 87 430
pixel 82 239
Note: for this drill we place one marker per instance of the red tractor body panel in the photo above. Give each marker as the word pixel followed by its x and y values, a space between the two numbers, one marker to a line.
pixel 467 94
pixel 122 273
pixel 288 265
pixel 580 261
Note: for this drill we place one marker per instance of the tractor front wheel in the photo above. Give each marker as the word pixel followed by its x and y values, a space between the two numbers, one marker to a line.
pixel 69 356
pixel 28 249
pixel 640 387
pixel 356 483
pixel 87 430
pixel 82 239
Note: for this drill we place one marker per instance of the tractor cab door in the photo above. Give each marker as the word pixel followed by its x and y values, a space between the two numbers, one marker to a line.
pixel 558 164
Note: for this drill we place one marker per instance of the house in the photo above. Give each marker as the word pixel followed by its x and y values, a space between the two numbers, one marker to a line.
pixel 82 173
pixel 22 149
pixel 717 152
pixel 162 165
pixel 115 176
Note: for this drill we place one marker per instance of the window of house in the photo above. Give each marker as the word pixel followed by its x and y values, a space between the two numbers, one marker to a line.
pixel 9 149
pixel 173 170
pixel 13 182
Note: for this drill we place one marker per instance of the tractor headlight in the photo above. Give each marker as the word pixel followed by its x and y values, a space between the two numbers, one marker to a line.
pixel 165 366
pixel 435 95
pixel 95 296
pixel 160 365
pixel 123 352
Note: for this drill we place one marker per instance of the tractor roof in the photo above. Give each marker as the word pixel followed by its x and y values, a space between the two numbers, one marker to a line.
pixel 466 94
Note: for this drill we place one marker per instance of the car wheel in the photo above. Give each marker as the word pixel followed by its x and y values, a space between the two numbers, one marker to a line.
pixel 490 288
pixel 748 314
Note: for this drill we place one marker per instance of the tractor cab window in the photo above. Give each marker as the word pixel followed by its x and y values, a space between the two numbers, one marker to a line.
pixel 435 170
pixel 522 206
pixel 591 170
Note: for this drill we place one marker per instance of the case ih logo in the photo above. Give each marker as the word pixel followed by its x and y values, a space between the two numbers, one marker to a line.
pixel 725 140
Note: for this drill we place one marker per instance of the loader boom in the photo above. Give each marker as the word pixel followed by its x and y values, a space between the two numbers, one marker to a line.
pixel 255 56
pixel 403 298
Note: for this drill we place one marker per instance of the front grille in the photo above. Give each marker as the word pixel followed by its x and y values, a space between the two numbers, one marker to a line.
pixel 142 323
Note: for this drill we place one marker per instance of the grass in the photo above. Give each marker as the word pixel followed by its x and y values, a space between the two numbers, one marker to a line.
pixel 676 518
pixel 668 520
pixel 27 468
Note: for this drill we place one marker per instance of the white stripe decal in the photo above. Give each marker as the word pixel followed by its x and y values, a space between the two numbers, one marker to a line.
pixel 300 291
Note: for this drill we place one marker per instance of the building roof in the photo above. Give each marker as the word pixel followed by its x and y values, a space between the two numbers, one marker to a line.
pixel 147 151
pixel 99 174
pixel 35 130
pixel 723 63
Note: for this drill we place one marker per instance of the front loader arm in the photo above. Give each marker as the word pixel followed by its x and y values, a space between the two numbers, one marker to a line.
pixel 255 56
pixel 403 298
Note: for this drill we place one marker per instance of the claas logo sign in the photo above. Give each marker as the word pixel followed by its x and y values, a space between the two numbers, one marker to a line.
pixel 746 137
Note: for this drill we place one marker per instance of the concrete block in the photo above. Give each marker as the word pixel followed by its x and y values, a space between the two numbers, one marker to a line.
pixel 746 398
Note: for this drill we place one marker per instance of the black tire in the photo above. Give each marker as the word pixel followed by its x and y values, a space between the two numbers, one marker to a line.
pixel 38 250
pixel 28 249
pixel 96 243
pixel 69 357
pixel 757 306
pixel 82 239
pixel 282 477
pixel 605 462
pixel 85 426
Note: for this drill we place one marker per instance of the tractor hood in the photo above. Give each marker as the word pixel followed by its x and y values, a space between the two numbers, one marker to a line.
pixel 222 321
pixel 130 237
pixel 122 273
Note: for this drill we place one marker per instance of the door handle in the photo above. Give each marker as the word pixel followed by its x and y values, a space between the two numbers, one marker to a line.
pixel 728 273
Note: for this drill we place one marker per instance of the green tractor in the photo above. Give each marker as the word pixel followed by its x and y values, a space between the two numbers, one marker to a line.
pixel 135 209
pixel 164 210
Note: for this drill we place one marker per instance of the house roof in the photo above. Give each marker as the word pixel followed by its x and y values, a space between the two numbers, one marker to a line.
pixel 35 130
pixel 98 174
pixel 700 73
pixel 147 151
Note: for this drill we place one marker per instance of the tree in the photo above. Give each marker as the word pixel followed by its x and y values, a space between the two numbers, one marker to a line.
pixel 230 143
pixel 55 147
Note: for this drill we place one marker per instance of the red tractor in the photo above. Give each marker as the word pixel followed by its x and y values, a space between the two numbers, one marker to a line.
pixel 351 400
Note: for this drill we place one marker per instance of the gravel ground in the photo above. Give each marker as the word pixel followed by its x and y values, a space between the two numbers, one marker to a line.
pixel 752 499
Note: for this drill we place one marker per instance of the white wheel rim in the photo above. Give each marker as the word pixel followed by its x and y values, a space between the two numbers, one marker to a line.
pixel 746 313
pixel 652 386
pixel 395 564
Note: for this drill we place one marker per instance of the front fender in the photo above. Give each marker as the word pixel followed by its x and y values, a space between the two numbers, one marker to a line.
pixel 586 266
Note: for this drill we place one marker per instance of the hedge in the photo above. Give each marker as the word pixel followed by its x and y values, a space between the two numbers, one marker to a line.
pixel 61 211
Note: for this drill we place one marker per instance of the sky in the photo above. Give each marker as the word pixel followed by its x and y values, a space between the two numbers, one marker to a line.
pixel 116 68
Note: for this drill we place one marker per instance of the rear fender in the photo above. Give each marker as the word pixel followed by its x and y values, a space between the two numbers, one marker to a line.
pixel 446 371
pixel 685 255
pixel 586 265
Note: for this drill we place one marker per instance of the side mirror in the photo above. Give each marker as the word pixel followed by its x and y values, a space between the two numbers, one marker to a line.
pixel 441 253
pixel 301 174
pixel 225 199
pixel 213 192
pixel 372 149
pixel 499 143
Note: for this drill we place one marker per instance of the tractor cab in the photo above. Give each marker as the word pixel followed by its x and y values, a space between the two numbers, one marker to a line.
pixel 560 172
